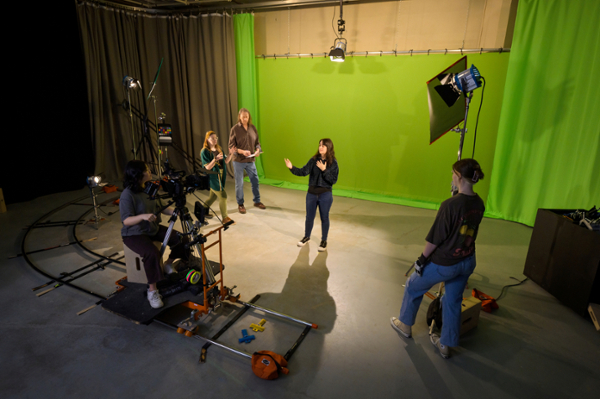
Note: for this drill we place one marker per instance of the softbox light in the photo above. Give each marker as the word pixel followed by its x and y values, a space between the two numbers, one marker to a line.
pixel 447 105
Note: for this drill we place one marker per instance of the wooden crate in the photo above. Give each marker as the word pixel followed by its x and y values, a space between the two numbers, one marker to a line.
pixel 469 314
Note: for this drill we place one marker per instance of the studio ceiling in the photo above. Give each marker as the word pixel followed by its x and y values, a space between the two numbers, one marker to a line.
pixel 174 6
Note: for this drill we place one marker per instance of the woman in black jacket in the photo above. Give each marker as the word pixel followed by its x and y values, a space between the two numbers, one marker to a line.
pixel 323 170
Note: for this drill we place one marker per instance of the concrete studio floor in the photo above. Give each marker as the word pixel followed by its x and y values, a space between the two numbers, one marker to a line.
pixel 532 347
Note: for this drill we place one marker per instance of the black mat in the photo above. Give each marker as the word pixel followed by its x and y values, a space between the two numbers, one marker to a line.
pixel 132 303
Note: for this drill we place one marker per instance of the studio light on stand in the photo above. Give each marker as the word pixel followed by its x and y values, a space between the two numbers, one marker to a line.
pixel 445 110
pixel 444 90
pixel 453 85
pixel 337 52
pixel 131 83
pixel 93 182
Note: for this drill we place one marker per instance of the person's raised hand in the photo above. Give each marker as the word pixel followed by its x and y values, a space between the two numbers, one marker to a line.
pixel 288 163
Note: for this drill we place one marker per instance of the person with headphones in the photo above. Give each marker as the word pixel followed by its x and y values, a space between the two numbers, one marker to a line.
pixel 141 228
pixel 448 257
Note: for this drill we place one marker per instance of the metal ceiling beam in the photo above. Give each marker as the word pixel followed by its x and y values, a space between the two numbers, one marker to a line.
pixel 255 5
pixel 182 6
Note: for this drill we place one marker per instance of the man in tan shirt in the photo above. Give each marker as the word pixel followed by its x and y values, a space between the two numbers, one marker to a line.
pixel 244 145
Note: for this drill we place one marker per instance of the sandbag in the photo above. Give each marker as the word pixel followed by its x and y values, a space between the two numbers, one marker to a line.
pixel 267 365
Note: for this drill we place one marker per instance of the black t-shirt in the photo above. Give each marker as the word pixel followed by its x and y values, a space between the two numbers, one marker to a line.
pixel 455 229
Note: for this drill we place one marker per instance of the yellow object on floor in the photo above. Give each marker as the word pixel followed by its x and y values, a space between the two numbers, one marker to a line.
pixel 259 326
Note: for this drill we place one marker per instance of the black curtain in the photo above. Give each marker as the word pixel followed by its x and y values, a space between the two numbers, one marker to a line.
pixel 196 87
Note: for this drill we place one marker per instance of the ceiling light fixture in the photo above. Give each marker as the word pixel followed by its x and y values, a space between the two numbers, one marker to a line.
pixel 337 52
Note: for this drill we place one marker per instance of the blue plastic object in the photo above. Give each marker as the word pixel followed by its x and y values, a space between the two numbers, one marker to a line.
pixel 246 338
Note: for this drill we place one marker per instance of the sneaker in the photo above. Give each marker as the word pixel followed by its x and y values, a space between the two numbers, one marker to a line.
pixel 323 246
pixel 155 299
pixel 303 241
pixel 401 327
pixel 260 205
pixel 444 350
pixel 241 209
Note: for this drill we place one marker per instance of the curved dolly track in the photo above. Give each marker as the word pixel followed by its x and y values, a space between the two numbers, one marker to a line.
pixel 74 225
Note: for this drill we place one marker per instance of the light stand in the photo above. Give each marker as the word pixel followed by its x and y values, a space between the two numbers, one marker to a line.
pixel 131 84
pixel 145 138
pixel 463 131
pixel 92 182
pixel 158 151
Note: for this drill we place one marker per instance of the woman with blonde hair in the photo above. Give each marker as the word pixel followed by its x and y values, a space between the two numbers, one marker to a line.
pixel 212 157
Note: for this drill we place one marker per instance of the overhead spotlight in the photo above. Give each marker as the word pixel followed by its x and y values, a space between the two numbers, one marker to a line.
pixel 131 83
pixel 93 181
pixel 337 52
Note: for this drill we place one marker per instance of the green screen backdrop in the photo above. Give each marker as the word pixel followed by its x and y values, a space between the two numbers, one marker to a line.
pixel 376 112
pixel 243 29
pixel 548 151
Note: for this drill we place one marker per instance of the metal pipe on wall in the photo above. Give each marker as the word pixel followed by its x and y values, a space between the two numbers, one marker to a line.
pixel 396 53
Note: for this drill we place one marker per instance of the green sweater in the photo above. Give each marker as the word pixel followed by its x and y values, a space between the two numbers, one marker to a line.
pixel 217 182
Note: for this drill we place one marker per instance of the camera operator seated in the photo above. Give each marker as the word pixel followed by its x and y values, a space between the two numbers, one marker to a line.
pixel 141 227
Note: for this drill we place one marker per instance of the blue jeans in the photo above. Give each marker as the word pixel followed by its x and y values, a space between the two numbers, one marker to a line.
pixel 250 168
pixel 455 278
pixel 323 201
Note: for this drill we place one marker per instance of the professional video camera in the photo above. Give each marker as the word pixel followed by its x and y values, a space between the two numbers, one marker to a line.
pixel 176 184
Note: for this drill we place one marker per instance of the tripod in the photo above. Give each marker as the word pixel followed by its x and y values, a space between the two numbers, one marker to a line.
pixel 191 229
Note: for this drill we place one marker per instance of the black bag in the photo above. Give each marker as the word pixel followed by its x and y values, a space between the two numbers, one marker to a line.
pixel 434 312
